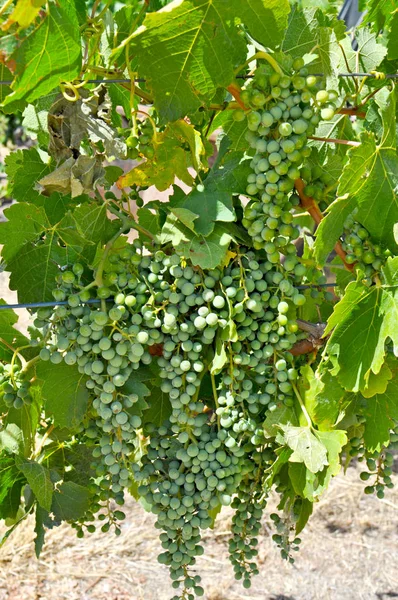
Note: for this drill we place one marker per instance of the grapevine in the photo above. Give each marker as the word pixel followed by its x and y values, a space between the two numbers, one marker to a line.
pixel 227 343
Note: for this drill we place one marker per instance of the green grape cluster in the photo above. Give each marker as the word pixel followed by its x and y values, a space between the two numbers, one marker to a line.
pixel 361 251
pixel 15 387
pixel 246 524
pixel 284 528
pixel 287 109
pixel 185 478
pixel 141 143
pixel 378 464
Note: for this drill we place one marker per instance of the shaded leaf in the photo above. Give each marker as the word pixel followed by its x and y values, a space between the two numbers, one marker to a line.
pixel 39 480
pixel 68 408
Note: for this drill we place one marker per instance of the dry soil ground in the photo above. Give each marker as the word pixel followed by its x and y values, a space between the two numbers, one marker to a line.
pixel 349 552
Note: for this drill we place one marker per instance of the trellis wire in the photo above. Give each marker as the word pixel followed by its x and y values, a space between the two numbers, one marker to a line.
pixel 139 80
pixel 98 300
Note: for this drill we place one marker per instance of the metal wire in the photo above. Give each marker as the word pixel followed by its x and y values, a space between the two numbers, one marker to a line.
pixel 48 304
pixel 140 80
pixel 97 300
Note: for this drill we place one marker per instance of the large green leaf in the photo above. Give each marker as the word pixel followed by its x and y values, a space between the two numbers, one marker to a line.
pixel 378 12
pixel 206 252
pixel 381 413
pixel 35 267
pixel 393 39
pixel 39 479
pixel 309 32
pixel 26 419
pixel 70 501
pixel 361 323
pixel 64 393
pixel 370 178
pixel 185 51
pixel 306 447
pixel 25 223
pixel 24 168
pixel 366 56
pixel 266 20
pixel 49 55
pixel 11 482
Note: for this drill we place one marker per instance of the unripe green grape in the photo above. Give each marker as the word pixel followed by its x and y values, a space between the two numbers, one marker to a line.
pixel 285 129
pixel 299 126
pixel 327 114
pixel 322 96
pixel 238 115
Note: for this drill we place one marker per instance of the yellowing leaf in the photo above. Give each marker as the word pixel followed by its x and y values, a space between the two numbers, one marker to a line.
pixel 24 13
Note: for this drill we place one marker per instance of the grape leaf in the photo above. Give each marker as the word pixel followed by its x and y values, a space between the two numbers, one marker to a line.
pixel 170 161
pixel 39 480
pixel 381 412
pixel 331 227
pixel 308 32
pixel 34 269
pixel 370 178
pixel 377 384
pixel 70 501
pixel 305 445
pixel 334 441
pixel 368 53
pixel 378 12
pixel 220 356
pixel 210 205
pixel 24 168
pixel 361 323
pixel 75 176
pixel 9 336
pixel 24 13
pixel 282 414
pixel 11 482
pixel 206 252
pixel 25 223
pixel 159 407
pixel 51 53
pixel 184 52
pixel 69 408
pixel 323 396
pixel 27 420
pixel 149 220
pixel 5 75
pixel 35 124
pixel 11 439
pixel 266 20
pixel 393 39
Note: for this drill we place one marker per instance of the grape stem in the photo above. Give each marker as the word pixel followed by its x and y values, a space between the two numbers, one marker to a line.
pixel 130 224
pixel 335 141
pixel 215 396
pixel 313 209
pixel 302 405
pixel 264 56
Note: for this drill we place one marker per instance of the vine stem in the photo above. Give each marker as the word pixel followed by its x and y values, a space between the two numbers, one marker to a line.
pixel 335 141
pixel 265 56
pixel 313 209
pixel 131 224
pixel 302 405
pixel 352 111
